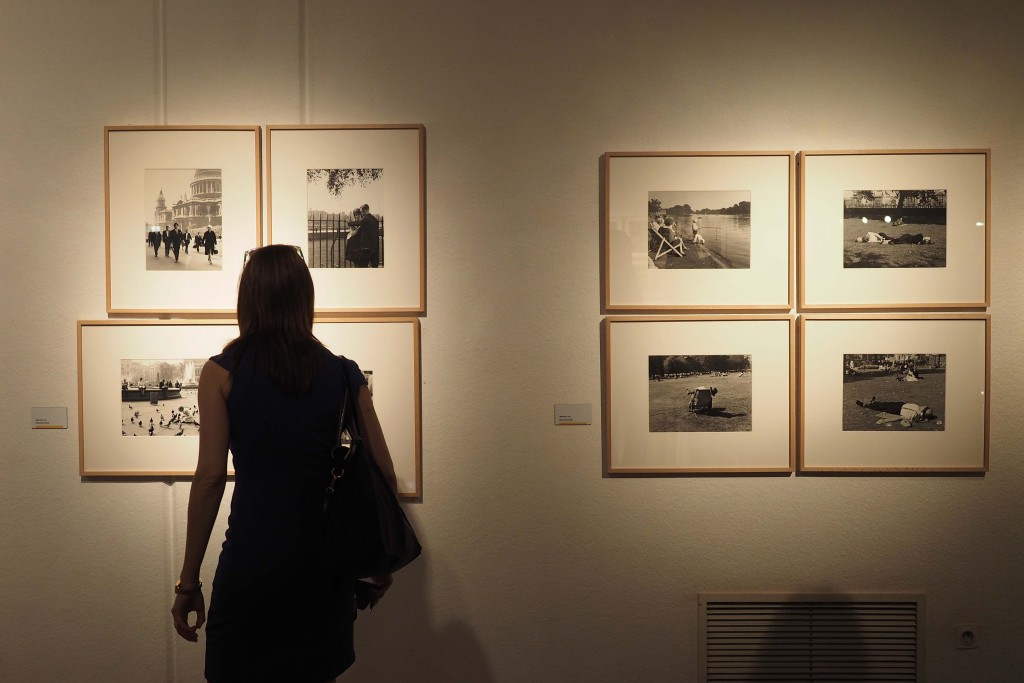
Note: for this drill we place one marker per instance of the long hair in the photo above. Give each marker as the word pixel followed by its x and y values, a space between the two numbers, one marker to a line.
pixel 275 318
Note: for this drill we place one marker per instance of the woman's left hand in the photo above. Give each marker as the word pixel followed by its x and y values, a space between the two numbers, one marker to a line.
pixel 184 604
pixel 383 584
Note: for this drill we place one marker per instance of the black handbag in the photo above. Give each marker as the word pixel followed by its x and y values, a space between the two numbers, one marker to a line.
pixel 367 530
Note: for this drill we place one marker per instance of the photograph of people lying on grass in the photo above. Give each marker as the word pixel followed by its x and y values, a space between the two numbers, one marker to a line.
pixel 699 393
pixel 894 392
pixel 894 229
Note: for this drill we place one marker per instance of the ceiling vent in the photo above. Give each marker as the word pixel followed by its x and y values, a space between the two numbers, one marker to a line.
pixel 814 638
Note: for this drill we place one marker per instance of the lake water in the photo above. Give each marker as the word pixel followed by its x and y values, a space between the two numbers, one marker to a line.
pixel 728 236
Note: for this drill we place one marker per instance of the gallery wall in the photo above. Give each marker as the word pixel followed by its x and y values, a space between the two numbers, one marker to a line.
pixel 538 567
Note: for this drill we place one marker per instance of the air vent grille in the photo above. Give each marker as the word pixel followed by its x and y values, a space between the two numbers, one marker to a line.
pixel 798 638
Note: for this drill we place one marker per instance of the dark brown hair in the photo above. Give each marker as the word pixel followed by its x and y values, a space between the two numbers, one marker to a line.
pixel 275 318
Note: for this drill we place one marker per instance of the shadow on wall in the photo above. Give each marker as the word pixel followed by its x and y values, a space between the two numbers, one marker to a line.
pixel 400 640
pixel 812 637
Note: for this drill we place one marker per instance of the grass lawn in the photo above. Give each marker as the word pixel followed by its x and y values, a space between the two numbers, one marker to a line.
pixel 929 391
pixel 731 407
pixel 876 255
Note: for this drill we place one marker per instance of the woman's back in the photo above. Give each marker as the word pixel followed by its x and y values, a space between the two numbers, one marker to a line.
pixel 273 434
pixel 281 447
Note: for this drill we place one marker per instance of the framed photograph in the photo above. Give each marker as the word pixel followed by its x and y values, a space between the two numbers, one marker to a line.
pixel 353 197
pixel 894 229
pixel 698 230
pixel 892 393
pixel 699 394
pixel 183 204
pixel 137 383
pixel 388 353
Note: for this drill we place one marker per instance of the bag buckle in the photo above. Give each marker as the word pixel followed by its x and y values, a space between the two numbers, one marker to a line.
pixel 336 474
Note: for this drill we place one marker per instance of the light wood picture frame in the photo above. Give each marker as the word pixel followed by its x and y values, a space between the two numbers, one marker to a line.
pixel 206 179
pixel 699 394
pixel 700 231
pixel 895 392
pixel 318 179
pixel 114 427
pixel 894 229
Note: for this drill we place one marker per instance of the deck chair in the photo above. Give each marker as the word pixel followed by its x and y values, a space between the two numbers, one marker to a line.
pixel 701 400
pixel 663 246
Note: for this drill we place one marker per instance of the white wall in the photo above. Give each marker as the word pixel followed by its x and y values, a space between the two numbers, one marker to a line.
pixel 537 567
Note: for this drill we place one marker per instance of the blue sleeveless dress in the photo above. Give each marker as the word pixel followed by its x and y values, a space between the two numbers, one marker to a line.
pixel 278 612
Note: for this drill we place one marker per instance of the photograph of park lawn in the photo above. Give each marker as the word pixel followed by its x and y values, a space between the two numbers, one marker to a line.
pixel 699 393
pixel 884 381
pixel 894 229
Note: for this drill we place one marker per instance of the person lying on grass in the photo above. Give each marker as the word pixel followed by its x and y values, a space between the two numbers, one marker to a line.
pixel 882 238
pixel 890 411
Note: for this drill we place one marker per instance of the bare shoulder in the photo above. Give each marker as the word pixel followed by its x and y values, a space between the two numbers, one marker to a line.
pixel 215 378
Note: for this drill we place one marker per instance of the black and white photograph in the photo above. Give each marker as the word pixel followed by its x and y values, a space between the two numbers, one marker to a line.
pixel 680 394
pixel 894 229
pixel 698 230
pixel 183 226
pixel 354 199
pixel 159 397
pixel 693 230
pixel 906 229
pixel 158 363
pixel 180 199
pixel 894 392
pixel 700 393
pixel 345 226
pixel 915 398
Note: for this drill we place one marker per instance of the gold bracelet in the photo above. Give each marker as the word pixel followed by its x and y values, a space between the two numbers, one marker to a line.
pixel 178 590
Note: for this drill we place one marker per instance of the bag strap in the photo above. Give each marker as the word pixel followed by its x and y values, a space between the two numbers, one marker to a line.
pixel 348 439
pixel 343 410
pixel 350 403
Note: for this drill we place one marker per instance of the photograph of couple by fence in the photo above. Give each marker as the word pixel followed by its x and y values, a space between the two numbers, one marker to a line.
pixel 343 238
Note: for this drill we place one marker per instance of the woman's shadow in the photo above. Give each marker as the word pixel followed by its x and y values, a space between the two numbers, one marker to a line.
pixel 401 638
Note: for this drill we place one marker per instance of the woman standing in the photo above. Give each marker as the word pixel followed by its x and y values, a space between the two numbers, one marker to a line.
pixel 279 610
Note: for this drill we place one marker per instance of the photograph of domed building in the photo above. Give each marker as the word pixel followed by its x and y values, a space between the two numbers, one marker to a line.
pixel 192 199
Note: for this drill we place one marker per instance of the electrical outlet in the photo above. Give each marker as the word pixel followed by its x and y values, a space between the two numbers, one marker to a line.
pixel 967 636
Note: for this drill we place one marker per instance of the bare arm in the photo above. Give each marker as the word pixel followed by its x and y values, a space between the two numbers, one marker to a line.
pixel 373 434
pixel 206 494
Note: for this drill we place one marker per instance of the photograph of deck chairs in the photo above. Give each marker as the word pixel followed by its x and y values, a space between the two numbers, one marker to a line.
pixel 353 198
pixel 699 394
pixel 892 230
pixel 698 230
pixel 183 204
pixel 895 392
